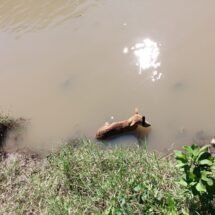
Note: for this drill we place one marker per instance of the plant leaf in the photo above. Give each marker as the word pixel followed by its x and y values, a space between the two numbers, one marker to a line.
pixel 204 148
pixel 210 182
pixel 193 183
pixel 195 153
pixel 203 155
pixel 188 149
pixel 200 187
pixel 180 165
pixel 180 155
pixel 205 162
pixel 206 173
pixel 183 182
pixel 191 175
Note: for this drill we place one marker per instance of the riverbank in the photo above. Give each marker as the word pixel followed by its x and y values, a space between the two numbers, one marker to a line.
pixel 88 179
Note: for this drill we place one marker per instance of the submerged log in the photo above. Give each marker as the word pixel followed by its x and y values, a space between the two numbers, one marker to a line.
pixel 121 127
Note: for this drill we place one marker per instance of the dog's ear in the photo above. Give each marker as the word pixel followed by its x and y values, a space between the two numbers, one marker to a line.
pixel 144 122
pixel 136 111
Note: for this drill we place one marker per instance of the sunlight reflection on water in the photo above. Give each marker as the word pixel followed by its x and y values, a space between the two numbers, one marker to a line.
pixel 147 55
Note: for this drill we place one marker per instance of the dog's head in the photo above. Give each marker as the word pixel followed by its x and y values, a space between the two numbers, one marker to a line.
pixel 138 119
pixel 144 122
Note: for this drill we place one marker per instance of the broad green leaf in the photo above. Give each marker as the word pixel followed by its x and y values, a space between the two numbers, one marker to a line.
pixel 183 160
pixel 192 151
pixel 193 184
pixel 206 173
pixel 205 162
pixel 191 176
pixel 203 155
pixel 180 165
pixel 195 153
pixel 180 155
pixel 188 149
pixel 205 178
pixel 204 148
pixel 183 183
pixel 210 182
pixel 200 187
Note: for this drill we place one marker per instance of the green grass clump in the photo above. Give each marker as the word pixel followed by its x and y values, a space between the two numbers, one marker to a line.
pixel 90 180
pixel 124 181
pixel 6 120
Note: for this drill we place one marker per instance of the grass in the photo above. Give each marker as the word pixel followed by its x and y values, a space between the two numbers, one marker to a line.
pixel 7 120
pixel 89 179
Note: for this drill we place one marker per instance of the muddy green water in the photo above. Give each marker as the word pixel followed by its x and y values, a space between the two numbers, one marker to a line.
pixel 71 65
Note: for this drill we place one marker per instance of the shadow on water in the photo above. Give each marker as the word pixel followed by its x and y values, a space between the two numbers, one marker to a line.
pixel 3 134
pixel 31 15
pixel 126 140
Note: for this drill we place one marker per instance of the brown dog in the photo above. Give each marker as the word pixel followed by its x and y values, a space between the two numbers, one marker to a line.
pixel 117 128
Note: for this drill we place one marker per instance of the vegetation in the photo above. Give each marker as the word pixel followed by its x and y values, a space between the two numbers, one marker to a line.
pixel 91 179
pixel 198 176
pixel 6 120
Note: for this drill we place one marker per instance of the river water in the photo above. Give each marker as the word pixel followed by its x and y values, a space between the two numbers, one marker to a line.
pixel 69 66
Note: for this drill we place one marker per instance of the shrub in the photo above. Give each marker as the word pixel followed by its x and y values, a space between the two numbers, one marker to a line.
pixel 197 166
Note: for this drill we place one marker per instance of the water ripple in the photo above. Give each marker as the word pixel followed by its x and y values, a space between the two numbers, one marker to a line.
pixel 34 15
